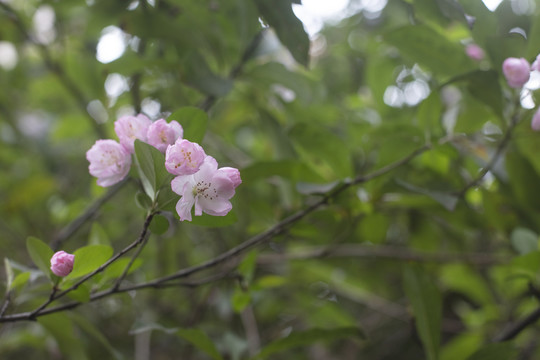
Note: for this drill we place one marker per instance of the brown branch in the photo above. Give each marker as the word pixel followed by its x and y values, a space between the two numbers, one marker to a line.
pixel 381 252
pixel 228 255
pixel 498 152
pixel 517 328
pixel 57 295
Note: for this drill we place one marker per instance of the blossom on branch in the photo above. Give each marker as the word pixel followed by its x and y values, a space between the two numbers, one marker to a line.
pixel 209 190
pixel 162 134
pixel 184 157
pixel 475 52
pixel 109 162
pixel 516 71
pixel 129 128
pixel 62 263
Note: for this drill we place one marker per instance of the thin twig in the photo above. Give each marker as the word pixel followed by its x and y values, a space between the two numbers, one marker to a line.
pixel 131 261
pixel 517 328
pixel 498 152
pixel 57 295
pixel 6 303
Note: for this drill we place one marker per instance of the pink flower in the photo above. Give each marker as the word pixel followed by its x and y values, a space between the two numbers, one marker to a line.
pixel 62 263
pixel 536 64
pixel 535 123
pixel 129 128
pixel 184 157
pixel 475 52
pixel 516 71
pixel 233 174
pixel 109 162
pixel 162 134
pixel 209 190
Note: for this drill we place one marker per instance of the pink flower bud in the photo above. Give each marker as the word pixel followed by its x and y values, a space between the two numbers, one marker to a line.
pixel 162 134
pixel 516 71
pixel 535 123
pixel 129 128
pixel 233 174
pixel 62 263
pixel 475 52
pixel 184 157
pixel 109 162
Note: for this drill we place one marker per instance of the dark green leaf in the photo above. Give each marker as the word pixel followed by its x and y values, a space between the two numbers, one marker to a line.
pixel 426 302
pixel 424 45
pixel 500 351
pixel 80 294
pixel 151 167
pixel 247 266
pixel 289 29
pixel 159 225
pixel 117 268
pixel 240 300
pixel 60 326
pixel 308 337
pixel 193 121
pixel 41 254
pixel 201 341
pixel 429 114
pixel 88 259
pixel 20 280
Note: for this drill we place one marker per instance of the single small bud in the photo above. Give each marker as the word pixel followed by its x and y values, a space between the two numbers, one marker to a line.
pixel 517 71
pixel 475 52
pixel 62 263
pixel 233 174
pixel 535 123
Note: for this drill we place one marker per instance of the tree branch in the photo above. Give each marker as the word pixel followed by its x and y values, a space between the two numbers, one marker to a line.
pixel 517 328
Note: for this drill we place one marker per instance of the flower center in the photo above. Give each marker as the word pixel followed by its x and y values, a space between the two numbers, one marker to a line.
pixel 205 189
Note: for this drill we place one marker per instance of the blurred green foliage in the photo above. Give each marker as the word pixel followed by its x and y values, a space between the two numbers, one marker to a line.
pixel 354 279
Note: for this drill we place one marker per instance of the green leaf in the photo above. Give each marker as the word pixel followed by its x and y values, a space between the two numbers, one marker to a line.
pixel 240 300
pixel 20 280
pixel 289 29
pixel 426 302
pixel 323 149
pixel 9 274
pixel 445 199
pixel 247 266
pixel 201 341
pixel 41 254
pixel 159 225
pixel 98 235
pixel 193 121
pixel 81 293
pixel 215 221
pixel 499 351
pixel 308 337
pixel 151 167
pixel 429 113
pixel 60 326
pixel 524 240
pixel 426 46
pixel 117 268
pixel 89 258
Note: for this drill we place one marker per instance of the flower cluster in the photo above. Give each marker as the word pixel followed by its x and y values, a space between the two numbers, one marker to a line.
pixel 198 180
